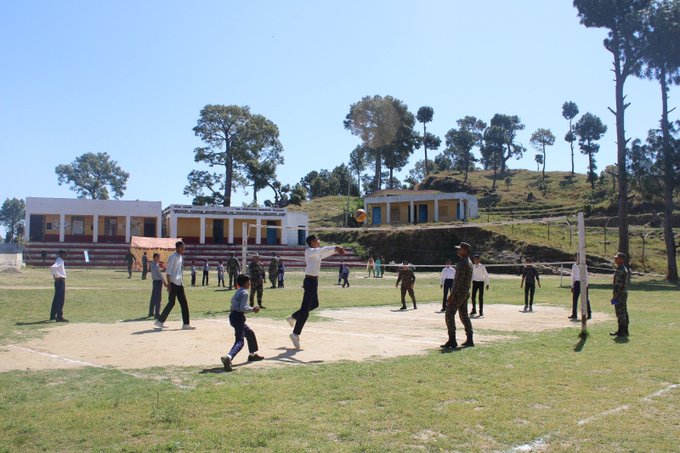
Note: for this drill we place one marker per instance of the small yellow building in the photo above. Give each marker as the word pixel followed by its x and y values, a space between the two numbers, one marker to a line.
pixel 399 207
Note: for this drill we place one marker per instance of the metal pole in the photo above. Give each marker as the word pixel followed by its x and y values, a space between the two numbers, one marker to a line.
pixel 244 247
pixel 582 272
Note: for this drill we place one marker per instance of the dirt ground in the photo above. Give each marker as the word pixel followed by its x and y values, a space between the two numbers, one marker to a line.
pixel 349 334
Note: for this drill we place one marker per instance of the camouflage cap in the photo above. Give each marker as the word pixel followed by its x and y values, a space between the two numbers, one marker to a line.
pixel 621 255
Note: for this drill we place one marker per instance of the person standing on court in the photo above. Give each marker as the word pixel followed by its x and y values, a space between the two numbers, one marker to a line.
pixel 282 274
pixel 173 273
pixel 206 272
pixel 378 267
pixel 193 274
pixel 529 280
pixel 480 280
pixel 407 278
pixel 460 293
pixel 145 265
pixel 220 274
pixel 233 268
pixel 273 270
pixel 58 270
pixel 310 299
pixel 446 282
pixel 129 260
pixel 577 287
pixel 256 274
pixel 620 296
pixel 157 284
pixel 370 267
pixel 345 275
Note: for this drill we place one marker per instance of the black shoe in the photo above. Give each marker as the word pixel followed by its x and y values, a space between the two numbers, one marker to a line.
pixel 473 312
pixel 226 361
pixel 449 345
pixel 62 320
pixel 616 334
pixel 590 316
pixel 468 344
pixel 481 313
pixel 262 306
pixel 255 358
pixel 573 317
pixel 403 307
pixel 526 308
pixel 414 307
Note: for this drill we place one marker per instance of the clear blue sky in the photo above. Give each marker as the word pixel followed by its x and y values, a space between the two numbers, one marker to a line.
pixel 130 77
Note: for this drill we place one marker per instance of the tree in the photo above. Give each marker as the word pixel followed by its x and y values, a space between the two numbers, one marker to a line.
pixel 539 160
pixel 440 164
pixel 589 129
pixel 625 21
pixel 92 175
pixel 459 143
pixel 357 164
pixel 493 150
pixel 385 127
pixel 569 112
pixel 12 216
pixel 510 124
pixel 233 137
pixel 424 116
pixel 661 57
pixel 540 139
pixel 260 165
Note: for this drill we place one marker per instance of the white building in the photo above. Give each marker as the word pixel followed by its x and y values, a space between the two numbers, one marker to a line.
pixel 395 206
pixel 84 220
pixel 227 225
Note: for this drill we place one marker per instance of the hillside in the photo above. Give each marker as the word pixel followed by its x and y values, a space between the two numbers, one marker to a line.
pixel 564 196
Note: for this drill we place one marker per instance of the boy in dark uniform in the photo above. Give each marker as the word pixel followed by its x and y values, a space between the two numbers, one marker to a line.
pixel 407 278
pixel 620 296
pixel 529 280
pixel 233 268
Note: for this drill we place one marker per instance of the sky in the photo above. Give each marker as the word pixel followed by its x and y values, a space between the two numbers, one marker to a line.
pixel 129 78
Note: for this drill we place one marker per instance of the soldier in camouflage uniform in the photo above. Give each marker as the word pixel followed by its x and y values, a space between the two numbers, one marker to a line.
pixel 407 278
pixel 460 293
pixel 233 269
pixel 273 269
pixel 620 296
pixel 257 276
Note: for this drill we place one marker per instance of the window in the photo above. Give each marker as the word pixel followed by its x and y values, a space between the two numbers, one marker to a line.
pixel 110 226
pixel 77 226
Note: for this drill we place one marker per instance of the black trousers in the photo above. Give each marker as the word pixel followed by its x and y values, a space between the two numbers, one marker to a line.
pixel 529 290
pixel 193 279
pixel 575 298
pixel 156 296
pixel 310 301
pixel 241 330
pixel 448 284
pixel 478 287
pixel 57 310
pixel 204 281
pixel 145 270
pixel 176 292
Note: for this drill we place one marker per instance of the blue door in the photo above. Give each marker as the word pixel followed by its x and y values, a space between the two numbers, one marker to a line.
pixel 271 233
pixel 422 213
pixel 302 235
pixel 377 215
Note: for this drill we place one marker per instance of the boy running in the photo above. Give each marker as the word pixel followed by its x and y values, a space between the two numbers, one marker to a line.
pixel 237 319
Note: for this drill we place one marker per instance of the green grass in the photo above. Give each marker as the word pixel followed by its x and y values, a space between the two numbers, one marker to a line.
pixel 490 398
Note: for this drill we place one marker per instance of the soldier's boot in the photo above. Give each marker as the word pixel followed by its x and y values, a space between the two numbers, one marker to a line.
pixel 451 344
pixel 403 306
pixel 414 305
pixel 469 343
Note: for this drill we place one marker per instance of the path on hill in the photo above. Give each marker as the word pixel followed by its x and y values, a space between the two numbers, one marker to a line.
pixel 353 334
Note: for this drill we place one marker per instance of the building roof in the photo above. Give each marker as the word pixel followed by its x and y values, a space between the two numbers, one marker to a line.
pixel 399 192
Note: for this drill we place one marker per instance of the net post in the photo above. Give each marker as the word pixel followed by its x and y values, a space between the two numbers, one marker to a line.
pixel 561 274
pixel 244 247
pixel 583 273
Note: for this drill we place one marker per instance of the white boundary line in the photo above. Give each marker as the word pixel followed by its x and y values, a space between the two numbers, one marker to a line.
pixel 94 365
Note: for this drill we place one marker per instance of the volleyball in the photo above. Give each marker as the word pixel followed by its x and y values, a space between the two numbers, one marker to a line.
pixel 360 215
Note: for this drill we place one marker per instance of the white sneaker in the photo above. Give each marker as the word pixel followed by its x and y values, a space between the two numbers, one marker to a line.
pixel 188 327
pixel 158 324
pixel 296 340
pixel 291 320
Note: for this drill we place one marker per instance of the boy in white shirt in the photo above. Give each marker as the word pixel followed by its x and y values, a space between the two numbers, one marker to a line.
pixel 576 288
pixel 480 280
pixel 310 300
pixel 58 270
pixel 446 282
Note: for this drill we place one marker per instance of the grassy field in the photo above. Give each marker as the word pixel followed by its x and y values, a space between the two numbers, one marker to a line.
pixel 549 390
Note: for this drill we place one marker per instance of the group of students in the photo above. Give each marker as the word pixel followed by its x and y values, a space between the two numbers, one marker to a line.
pixel 456 284
pixel 375 267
